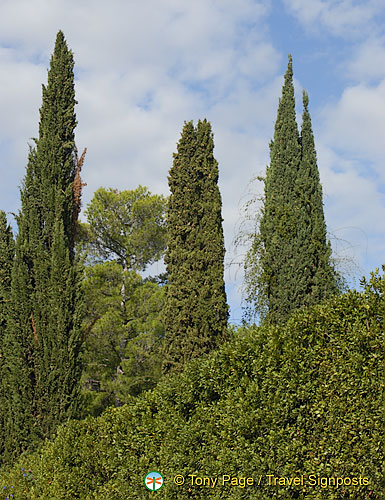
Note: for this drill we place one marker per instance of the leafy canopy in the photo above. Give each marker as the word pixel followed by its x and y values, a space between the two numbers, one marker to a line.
pixel 128 226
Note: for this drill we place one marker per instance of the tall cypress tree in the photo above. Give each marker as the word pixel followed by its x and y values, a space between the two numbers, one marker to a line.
pixel 43 339
pixel 195 311
pixel 288 264
pixel 278 223
pixel 7 251
pixel 317 277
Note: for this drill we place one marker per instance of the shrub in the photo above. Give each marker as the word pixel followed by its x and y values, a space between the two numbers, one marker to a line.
pixel 305 398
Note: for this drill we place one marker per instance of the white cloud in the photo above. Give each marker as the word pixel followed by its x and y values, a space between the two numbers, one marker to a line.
pixel 352 198
pixel 340 17
pixel 20 86
pixel 356 123
pixel 368 62
pixel 354 205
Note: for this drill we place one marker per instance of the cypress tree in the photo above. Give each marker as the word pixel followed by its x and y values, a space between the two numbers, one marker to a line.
pixel 43 338
pixel 278 223
pixel 288 266
pixel 7 250
pixel 195 312
pixel 317 277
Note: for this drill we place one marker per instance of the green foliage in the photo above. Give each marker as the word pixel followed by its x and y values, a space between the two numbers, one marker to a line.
pixel 122 345
pixel 103 327
pixel 305 397
pixel 289 263
pixel 121 327
pixel 142 359
pixel 195 312
pixel 318 278
pixel 128 226
pixel 43 338
pixel 7 251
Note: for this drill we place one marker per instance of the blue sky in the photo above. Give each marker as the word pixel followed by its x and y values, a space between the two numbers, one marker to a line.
pixel 143 68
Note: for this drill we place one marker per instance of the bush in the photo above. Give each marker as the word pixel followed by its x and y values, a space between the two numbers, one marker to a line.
pixel 305 398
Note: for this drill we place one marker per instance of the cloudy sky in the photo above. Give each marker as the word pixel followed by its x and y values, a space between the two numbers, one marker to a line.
pixel 143 68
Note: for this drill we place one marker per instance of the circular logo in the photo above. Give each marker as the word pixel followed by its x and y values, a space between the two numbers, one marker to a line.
pixel 153 481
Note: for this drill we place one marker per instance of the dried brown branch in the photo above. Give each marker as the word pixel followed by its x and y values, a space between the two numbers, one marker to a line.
pixel 34 329
pixel 77 187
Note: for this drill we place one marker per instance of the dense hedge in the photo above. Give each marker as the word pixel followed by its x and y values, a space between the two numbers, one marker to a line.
pixel 306 398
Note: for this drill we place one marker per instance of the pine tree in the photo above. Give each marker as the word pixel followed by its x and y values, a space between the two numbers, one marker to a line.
pixel 288 265
pixel 43 339
pixel 7 250
pixel 195 312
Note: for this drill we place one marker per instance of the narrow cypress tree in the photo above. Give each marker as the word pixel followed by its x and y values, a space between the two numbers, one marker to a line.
pixel 195 311
pixel 7 251
pixel 317 277
pixel 288 266
pixel 43 338
pixel 278 223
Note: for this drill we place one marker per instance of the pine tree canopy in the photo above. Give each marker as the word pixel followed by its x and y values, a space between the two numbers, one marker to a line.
pixel 128 226
pixel 195 311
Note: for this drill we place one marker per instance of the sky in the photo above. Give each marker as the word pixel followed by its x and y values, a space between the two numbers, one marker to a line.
pixel 144 68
